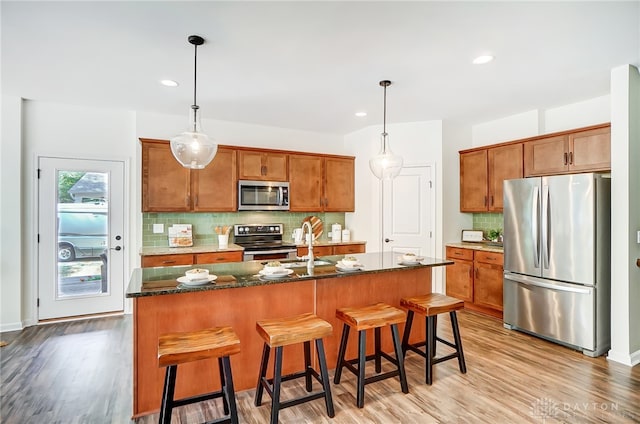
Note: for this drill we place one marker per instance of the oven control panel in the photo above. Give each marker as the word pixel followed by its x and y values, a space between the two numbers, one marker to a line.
pixel 257 229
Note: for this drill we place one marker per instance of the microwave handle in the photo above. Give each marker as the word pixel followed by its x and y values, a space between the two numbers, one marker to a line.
pixel 279 196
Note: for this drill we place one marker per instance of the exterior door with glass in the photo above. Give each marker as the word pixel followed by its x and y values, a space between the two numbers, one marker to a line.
pixel 80 232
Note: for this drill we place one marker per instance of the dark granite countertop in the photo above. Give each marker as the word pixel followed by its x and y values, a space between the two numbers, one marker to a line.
pixel 163 280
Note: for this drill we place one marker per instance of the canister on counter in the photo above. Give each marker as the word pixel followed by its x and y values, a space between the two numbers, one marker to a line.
pixel 346 235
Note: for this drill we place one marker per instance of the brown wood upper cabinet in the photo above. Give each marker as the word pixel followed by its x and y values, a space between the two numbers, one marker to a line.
pixel 169 187
pixel 262 165
pixel 581 151
pixel 321 183
pixel 482 173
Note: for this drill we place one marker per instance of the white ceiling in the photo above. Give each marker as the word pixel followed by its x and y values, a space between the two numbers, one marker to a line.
pixel 311 64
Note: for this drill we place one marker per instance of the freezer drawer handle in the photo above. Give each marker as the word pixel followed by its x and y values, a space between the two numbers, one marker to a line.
pixel 529 282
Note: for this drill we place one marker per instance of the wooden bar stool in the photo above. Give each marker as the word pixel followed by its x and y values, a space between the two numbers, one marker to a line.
pixel 180 348
pixel 430 305
pixel 363 319
pixel 286 331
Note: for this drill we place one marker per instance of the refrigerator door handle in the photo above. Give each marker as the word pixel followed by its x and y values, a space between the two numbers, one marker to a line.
pixel 535 235
pixel 529 281
pixel 545 226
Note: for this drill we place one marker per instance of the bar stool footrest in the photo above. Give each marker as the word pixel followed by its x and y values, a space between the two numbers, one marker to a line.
pixel 197 398
pixel 350 365
pixel 267 383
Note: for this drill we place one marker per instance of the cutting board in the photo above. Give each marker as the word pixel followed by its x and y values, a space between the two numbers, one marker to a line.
pixel 316 226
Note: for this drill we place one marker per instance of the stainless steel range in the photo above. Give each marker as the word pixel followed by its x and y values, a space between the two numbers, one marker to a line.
pixel 263 241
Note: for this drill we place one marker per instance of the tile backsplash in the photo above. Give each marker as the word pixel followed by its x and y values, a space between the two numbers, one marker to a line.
pixel 488 221
pixel 204 224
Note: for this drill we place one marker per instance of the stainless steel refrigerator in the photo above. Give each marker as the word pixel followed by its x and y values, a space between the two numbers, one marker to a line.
pixel 557 259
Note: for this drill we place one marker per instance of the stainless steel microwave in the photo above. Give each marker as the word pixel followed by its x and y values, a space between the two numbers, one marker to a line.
pixel 263 195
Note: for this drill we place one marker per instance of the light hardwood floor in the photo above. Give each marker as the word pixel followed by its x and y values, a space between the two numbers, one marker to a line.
pixel 80 372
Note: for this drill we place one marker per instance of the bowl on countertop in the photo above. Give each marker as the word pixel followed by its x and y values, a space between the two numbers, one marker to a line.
pixel 197 274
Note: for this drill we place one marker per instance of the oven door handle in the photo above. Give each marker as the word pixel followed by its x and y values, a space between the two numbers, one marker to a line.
pixel 269 252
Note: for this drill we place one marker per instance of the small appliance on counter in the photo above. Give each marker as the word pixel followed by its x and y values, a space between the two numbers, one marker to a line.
pixel 472 236
pixel 180 235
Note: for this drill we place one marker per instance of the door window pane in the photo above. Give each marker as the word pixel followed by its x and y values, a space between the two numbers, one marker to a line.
pixel 82 234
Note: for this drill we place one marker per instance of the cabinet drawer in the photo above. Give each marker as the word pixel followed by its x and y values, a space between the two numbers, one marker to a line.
pixel 348 248
pixel 317 251
pixel 459 253
pixel 217 257
pixel 167 260
pixel 490 258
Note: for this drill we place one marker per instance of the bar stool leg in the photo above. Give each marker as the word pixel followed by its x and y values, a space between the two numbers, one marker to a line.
pixel 307 366
pixel 458 340
pixel 277 379
pixel 399 358
pixel 376 340
pixel 167 394
pixel 407 332
pixel 228 390
pixel 324 373
pixel 429 349
pixel 341 353
pixel 362 357
pixel 263 372
pixel 434 324
pixel 225 404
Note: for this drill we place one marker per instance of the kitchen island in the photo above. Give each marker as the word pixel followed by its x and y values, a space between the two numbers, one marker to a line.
pixel 239 297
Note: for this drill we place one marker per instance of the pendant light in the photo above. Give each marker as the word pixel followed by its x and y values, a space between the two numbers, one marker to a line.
pixel 385 165
pixel 193 148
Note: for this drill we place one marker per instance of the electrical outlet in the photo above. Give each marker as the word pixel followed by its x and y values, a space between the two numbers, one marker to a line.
pixel 158 228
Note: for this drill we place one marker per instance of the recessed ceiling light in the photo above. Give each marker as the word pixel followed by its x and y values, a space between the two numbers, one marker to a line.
pixel 481 60
pixel 169 83
pixel 361 114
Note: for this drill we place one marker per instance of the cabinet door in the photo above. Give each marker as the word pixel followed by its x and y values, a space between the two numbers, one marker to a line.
pixel 218 257
pixel 473 181
pixel 305 185
pixel 344 249
pixel 487 285
pixel 590 150
pixel 339 193
pixel 460 280
pixel 215 187
pixel 167 260
pixel 505 163
pixel 262 166
pixel 547 156
pixel 165 183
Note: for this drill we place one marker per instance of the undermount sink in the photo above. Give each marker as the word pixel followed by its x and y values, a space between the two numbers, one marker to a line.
pixel 297 264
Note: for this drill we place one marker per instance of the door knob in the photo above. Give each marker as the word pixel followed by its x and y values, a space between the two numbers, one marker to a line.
pixel 387 240
pixel 117 248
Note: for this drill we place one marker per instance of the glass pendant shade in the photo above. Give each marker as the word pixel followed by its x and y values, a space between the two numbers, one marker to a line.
pixel 193 148
pixel 386 165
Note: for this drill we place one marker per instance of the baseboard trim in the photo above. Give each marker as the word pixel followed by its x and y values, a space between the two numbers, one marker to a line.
pixel 630 360
pixel 14 326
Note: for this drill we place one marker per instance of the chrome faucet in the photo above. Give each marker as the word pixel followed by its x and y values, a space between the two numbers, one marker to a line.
pixel 309 256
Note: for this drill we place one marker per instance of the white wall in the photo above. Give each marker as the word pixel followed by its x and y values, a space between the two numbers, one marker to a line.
pixel 419 143
pixel 456 136
pixel 543 121
pixel 10 215
pixel 625 217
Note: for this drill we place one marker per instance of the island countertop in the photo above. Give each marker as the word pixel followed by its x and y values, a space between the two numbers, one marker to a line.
pixel 163 280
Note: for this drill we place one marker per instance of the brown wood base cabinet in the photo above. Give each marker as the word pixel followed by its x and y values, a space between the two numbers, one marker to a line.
pixel 476 277
pixel 191 258
pixel 338 249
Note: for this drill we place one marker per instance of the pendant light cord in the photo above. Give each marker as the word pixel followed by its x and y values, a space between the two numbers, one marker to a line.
pixel 384 113
pixel 195 73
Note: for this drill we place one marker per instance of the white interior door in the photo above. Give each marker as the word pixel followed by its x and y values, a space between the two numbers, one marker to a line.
pixel 409 212
pixel 80 232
